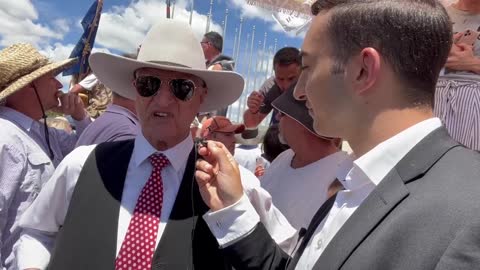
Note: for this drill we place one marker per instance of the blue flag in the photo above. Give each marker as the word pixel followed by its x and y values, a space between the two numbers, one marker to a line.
pixel 84 46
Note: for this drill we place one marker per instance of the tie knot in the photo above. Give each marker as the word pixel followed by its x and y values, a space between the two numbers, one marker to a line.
pixel 159 161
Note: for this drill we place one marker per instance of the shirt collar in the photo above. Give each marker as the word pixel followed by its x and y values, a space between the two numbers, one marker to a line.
pixel 123 111
pixel 373 166
pixel 17 117
pixel 177 155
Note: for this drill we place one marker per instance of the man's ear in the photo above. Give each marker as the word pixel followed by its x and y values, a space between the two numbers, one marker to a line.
pixel 365 70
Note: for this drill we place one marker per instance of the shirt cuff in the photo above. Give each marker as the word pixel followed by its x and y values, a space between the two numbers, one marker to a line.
pixel 31 253
pixel 233 222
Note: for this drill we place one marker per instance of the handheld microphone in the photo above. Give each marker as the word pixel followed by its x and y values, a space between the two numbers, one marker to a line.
pixel 199 142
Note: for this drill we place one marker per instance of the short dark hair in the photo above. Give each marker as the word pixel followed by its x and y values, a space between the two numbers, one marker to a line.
pixel 413 36
pixel 215 39
pixel 286 56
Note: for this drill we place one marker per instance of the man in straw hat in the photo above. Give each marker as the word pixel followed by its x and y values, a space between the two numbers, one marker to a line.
pixel 411 199
pixel 135 204
pixel 29 151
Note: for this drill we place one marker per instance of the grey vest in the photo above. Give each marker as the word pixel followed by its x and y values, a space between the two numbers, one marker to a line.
pixel 88 238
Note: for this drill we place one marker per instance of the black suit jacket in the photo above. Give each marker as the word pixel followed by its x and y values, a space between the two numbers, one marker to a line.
pixel 425 214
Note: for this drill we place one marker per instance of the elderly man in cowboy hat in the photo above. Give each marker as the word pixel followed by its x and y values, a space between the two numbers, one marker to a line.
pixel 29 151
pixel 135 204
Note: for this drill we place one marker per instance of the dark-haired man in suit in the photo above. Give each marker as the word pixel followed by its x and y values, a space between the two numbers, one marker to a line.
pixel 369 70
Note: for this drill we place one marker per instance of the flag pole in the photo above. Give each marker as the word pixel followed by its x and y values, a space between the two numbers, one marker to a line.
pixel 209 17
pixel 235 43
pixel 269 63
pixel 239 39
pixel 191 12
pixel 225 28
pixel 249 67
pixel 274 52
pixel 263 52
pixel 168 8
pixel 242 97
pixel 257 64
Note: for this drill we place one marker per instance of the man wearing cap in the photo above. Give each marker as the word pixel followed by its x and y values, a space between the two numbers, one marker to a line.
pixel 220 129
pixel 301 176
pixel 135 204
pixel 29 150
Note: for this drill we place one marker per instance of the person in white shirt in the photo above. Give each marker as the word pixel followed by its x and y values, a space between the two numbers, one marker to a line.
pixel 134 204
pixel 29 149
pixel 302 175
pixel 369 71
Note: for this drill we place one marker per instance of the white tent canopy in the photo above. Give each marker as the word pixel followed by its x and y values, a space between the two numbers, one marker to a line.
pixel 297 8
pixel 292 15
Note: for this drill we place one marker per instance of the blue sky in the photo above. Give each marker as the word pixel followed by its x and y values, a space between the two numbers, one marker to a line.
pixel 54 27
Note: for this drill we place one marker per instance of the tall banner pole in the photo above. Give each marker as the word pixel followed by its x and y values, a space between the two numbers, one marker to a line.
pixel 247 92
pixel 225 28
pixel 235 45
pixel 191 11
pixel 168 8
pixel 209 17
pixel 239 39
pixel 242 97
pixel 259 58
pixel 263 53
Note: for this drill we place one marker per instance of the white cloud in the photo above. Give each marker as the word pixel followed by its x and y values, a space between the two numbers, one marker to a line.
pixel 59 52
pixel 19 8
pixel 124 27
pixel 252 12
pixel 17 24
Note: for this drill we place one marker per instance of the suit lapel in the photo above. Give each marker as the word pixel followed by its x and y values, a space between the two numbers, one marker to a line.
pixel 384 198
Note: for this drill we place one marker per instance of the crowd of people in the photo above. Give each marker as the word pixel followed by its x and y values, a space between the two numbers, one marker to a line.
pixel 138 167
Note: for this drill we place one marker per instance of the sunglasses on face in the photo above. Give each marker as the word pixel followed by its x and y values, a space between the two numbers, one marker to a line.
pixel 148 86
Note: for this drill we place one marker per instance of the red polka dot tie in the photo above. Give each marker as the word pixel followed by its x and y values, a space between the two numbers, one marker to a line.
pixel 138 246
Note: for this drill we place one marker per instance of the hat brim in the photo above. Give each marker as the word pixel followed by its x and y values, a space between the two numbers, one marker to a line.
pixel 252 141
pixel 233 128
pixel 23 81
pixel 291 108
pixel 116 72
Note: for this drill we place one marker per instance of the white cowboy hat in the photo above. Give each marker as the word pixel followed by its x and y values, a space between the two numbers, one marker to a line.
pixel 169 45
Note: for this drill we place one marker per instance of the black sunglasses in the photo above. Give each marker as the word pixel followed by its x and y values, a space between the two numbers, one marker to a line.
pixel 148 86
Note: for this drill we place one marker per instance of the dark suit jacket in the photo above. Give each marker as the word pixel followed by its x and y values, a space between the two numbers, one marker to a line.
pixel 425 214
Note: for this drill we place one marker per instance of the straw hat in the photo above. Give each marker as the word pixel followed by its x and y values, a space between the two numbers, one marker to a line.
pixel 21 64
pixel 169 45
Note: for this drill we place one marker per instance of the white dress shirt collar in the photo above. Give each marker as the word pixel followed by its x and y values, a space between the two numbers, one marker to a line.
pixel 18 118
pixel 177 155
pixel 373 166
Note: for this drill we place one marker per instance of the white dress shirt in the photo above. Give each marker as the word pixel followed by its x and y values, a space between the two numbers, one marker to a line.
pixel 24 169
pixel 367 172
pixel 43 219
pixel 295 190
